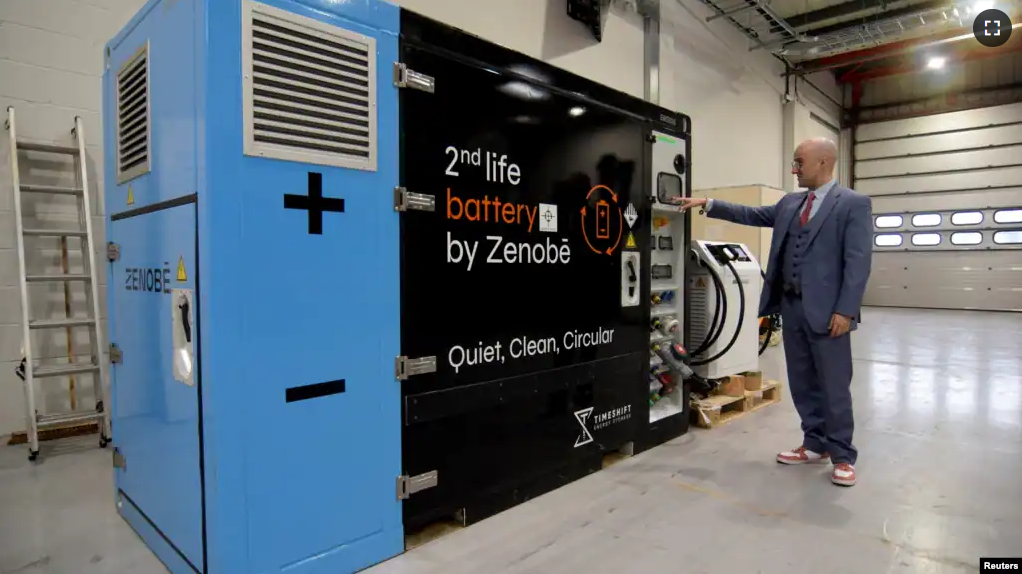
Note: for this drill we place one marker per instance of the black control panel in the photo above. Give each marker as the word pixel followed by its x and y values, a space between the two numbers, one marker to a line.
pixel 728 252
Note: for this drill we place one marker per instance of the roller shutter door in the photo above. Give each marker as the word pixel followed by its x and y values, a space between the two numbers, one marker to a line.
pixel 947 209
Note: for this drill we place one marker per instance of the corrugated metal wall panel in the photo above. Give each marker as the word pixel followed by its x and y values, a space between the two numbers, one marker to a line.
pixel 913 163
pixel 947 205
pixel 985 280
pixel 951 200
pixel 997 177
pixel 942 142
pixel 963 120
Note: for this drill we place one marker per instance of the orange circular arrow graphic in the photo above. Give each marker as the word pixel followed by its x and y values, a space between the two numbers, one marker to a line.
pixel 620 222
pixel 601 186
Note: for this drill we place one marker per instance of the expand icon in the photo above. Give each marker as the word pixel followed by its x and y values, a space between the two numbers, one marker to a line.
pixel 597 221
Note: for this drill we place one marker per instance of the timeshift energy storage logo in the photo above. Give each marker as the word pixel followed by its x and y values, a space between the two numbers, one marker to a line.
pixel 992 28
pixel 582 417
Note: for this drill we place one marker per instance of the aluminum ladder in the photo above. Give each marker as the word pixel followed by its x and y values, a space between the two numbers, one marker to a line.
pixel 94 366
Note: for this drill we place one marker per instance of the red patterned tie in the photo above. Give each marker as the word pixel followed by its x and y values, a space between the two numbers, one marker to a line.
pixel 809 208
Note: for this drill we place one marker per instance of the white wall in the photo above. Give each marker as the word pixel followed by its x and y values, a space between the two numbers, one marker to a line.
pixel 735 98
pixel 51 62
pixel 805 120
pixel 51 65
pixel 542 29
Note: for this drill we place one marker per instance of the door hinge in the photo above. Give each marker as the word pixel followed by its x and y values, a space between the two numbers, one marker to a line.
pixel 119 460
pixel 115 353
pixel 405 78
pixel 405 367
pixel 409 485
pixel 113 251
pixel 405 200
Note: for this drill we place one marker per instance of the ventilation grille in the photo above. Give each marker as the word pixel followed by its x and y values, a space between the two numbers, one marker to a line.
pixel 699 321
pixel 133 116
pixel 310 91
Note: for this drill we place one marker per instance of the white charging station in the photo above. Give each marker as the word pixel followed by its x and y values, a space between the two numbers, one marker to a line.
pixel 719 274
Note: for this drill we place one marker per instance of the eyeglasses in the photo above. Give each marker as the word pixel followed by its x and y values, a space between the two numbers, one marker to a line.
pixel 796 164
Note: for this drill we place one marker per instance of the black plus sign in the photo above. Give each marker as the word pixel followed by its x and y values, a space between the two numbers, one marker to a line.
pixel 314 203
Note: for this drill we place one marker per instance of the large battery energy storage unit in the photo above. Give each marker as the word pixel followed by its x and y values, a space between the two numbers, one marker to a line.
pixel 367 271
pixel 525 273
pixel 252 154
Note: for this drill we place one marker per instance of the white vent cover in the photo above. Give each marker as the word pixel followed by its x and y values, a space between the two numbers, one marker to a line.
pixel 309 90
pixel 133 138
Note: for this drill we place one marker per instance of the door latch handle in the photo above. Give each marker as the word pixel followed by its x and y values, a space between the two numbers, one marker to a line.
pixel 185 322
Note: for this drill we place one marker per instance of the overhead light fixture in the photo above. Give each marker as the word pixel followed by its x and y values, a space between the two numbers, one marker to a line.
pixel 980 5
pixel 576 111
pixel 936 63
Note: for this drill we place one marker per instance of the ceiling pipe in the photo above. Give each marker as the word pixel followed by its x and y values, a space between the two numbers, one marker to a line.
pixel 857 37
pixel 780 21
pixel 835 11
pixel 721 13
pixel 733 11
pixel 651 52
pixel 858 23
pixel 884 51
pixel 787 64
pixel 784 42
pixel 764 11
pixel 785 27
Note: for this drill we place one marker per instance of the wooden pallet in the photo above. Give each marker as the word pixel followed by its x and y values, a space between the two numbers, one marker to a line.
pixel 58 432
pixel 719 409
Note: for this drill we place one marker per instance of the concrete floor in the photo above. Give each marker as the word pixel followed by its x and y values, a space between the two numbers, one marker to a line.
pixel 938 398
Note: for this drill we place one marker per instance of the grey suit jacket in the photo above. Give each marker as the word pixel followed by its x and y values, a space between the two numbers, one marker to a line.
pixel 838 259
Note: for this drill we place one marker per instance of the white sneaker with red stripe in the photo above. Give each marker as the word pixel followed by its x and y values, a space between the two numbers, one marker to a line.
pixel 802 455
pixel 844 474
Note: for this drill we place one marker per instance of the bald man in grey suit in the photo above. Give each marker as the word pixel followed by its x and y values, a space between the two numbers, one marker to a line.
pixel 820 260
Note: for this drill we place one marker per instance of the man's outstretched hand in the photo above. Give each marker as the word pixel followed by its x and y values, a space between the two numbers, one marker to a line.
pixel 839 325
pixel 688 202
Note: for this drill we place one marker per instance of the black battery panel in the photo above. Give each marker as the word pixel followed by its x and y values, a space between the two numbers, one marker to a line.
pixel 515 282
pixel 497 443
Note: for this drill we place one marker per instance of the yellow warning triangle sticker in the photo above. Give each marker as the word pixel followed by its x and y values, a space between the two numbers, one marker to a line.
pixel 631 241
pixel 699 282
pixel 181 275
pixel 131 196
